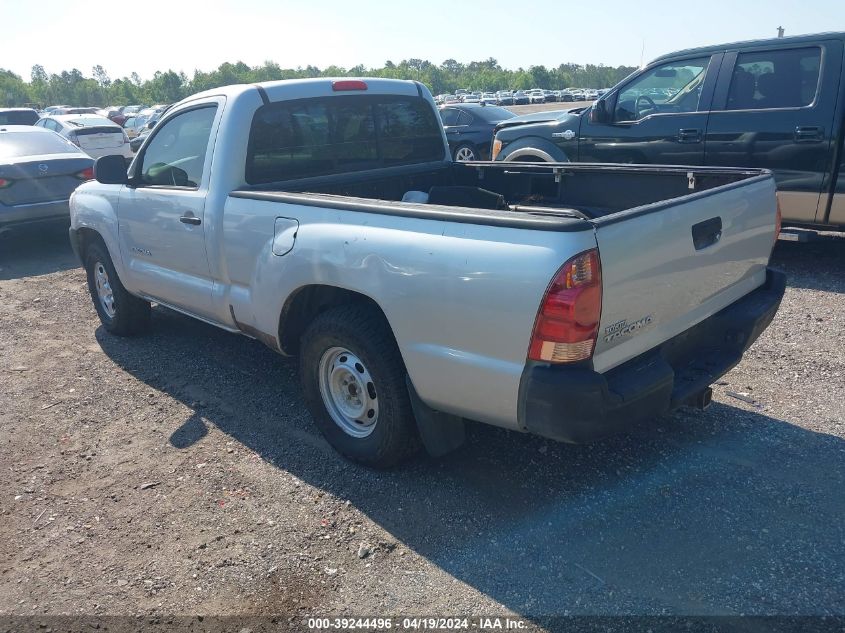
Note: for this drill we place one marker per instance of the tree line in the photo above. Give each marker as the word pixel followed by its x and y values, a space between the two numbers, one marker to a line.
pixel 99 89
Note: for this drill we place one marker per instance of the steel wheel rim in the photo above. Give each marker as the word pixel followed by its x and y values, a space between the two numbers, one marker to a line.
pixel 104 290
pixel 348 391
pixel 464 154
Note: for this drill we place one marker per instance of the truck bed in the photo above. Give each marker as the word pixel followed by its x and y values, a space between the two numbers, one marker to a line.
pixel 580 191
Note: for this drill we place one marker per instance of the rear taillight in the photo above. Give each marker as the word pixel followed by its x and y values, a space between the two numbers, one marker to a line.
pixel 86 174
pixel 568 320
pixel 5 183
pixel 349 84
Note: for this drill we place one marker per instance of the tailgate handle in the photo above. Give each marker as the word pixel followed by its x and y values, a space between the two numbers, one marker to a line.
pixel 706 233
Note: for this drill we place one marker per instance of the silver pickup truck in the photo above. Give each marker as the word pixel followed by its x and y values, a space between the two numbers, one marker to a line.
pixel 326 219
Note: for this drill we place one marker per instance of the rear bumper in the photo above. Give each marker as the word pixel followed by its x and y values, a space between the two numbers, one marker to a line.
pixel 37 212
pixel 577 404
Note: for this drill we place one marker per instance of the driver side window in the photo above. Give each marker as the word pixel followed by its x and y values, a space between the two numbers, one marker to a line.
pixel 668 88
pixel 175 156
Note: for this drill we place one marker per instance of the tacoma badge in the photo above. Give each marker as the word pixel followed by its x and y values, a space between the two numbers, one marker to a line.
pixel 623 328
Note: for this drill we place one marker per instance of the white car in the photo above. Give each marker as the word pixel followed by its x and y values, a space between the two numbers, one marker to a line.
pixel 471 98
pixel 536 96
pixel 488 98
pixel 93 134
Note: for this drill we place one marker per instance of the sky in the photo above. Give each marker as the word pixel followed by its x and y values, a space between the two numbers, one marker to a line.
pixel 184 35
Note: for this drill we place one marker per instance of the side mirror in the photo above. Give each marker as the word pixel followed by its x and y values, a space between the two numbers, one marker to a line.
pixel 599 113
pixel 111 170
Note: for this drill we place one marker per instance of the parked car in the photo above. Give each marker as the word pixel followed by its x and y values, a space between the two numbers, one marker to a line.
pixel 488 98
pixel 52 109
pixel 521 304
pixel 469 129
pixel 114 115
pixel 18 116
pixel 147 127
pixel 95 135
pixel 73 110
pixel 567 95
pixel 770 104
pixel 536 96
pixel 471 98
pixel 504 97
pixel 133 125
pixel 38 171
pixel 520 98
pixel 451 99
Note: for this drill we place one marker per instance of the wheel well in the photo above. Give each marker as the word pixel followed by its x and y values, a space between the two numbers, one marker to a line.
pixel 306 304
pixel 87 236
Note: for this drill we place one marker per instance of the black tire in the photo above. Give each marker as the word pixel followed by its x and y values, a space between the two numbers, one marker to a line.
pixel 363 331
pixel 466 147
pixel 131 314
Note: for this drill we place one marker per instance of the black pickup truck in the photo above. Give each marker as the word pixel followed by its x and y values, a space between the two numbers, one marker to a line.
pixel 777 104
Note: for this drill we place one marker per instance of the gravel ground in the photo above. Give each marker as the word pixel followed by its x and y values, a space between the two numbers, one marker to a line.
pixel 179 473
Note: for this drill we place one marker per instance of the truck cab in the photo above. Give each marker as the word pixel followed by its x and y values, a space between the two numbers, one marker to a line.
pixel 776 104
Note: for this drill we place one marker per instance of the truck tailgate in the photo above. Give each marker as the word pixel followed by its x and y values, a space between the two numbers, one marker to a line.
pixel 670 265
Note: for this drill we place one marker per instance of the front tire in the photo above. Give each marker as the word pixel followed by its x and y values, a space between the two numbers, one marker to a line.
pixel 353 379
pixel 120 312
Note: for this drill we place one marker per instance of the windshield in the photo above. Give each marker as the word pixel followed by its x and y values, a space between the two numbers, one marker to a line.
pixel 16 144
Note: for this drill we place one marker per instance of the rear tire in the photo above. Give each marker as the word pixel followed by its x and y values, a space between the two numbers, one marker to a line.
pixel 465 152
pixel 353 380
pixel 120 312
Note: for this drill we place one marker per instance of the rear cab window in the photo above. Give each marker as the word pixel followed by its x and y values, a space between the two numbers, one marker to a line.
pixel 328 135
pixel 764 80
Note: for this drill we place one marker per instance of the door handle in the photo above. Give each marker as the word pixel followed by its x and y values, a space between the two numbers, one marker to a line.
pixel 808 134
pixel 706 233
pixel 689 135
pixel 190 219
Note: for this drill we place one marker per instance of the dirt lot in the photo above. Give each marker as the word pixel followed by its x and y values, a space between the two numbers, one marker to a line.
pixel 179 473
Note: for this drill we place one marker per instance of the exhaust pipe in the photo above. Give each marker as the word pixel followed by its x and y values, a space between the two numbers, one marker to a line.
pixel 702 399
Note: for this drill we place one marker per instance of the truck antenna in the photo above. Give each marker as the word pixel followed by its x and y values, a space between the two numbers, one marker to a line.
pixel 780 31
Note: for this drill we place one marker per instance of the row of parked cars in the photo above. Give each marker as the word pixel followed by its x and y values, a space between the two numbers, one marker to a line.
pixel 104 129
pixel 520 97
pixel 45 155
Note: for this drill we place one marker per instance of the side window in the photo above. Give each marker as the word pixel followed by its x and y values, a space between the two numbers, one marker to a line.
pixel 50 124
pixel 775 79
pixel 668 88
pixel 464 119
pixel 449 116
pixel 40 122
pixel 176 154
